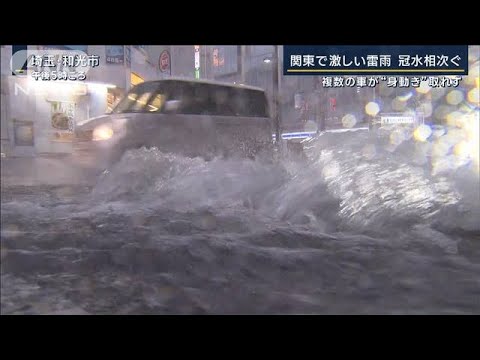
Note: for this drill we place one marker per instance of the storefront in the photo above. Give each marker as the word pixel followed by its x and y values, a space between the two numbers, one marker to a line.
pixel 39 117
pixel 43 115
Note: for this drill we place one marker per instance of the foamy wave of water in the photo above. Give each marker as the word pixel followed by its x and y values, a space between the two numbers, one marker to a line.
pixel 381 188
pixel 351 181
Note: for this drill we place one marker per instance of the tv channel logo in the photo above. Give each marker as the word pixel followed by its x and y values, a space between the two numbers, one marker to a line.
pixel 19 60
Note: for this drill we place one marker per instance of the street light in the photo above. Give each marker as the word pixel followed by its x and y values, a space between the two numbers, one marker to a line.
pixel 275 91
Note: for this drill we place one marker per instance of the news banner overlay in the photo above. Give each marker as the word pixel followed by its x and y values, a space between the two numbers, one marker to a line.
pixel 375 60
pixel 53 64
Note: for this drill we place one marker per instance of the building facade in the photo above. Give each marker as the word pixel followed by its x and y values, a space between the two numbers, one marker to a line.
pixel 38 117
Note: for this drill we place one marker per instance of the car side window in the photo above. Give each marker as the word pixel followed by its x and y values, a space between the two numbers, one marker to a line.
pixel 193 98
pixel 156 103
pixel 257 104
pixel 248 102
pixel 222 101
pixel 141 101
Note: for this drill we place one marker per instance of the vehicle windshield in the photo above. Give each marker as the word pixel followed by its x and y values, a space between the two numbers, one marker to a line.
pixel 195 99
pixel 146 97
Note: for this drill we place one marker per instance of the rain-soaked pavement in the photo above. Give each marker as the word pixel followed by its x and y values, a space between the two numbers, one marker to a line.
pixel 363 226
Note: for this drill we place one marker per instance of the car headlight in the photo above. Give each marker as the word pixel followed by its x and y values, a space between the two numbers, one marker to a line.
pixel 102 132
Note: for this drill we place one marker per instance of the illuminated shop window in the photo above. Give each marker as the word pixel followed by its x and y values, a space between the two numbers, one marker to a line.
pixel 135 79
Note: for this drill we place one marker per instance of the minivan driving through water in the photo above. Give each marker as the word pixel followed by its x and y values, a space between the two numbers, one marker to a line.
pixel 183 116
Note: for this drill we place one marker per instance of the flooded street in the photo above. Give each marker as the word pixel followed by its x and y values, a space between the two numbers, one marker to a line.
pixel 360 226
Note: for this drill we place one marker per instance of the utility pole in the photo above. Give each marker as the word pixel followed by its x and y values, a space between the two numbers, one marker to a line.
pixel 242 63
pixel 275 94
pixel 197 61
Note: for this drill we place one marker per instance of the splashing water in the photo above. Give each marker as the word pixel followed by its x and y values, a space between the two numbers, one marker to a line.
pixel 351 181
pixel 360 226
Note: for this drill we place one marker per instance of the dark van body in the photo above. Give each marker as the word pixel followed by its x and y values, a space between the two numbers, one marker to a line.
pixel 188 117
